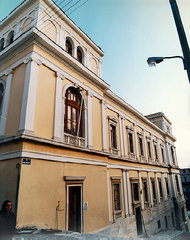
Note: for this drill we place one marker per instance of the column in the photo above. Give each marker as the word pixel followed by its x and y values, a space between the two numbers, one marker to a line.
pixel 29 97
pixel 104 133
pixel 109 197
pixel 157 188
pixel 5 103
pixel 150 188
pixel 172 184
pixel 59 116
pixel 136 142
pixel 121 134
pixel 141 191
pixel 129 194
pixel 89 130
pixel 164 187
pixel 125 194
pixel 74 51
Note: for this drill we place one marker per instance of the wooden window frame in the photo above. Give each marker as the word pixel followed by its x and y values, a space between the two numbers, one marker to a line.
pixel 69 46
pixel 117 213
pixel 113 135
pixel 145 192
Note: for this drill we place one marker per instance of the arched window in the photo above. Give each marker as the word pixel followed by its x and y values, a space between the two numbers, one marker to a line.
pixel 10 38
pixel 2 42
pixel 1 95
pixel 74 112
pixel 69 48
pixel 79 55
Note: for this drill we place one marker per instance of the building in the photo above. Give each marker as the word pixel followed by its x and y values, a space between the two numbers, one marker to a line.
pixel 185 179
pixel 74 155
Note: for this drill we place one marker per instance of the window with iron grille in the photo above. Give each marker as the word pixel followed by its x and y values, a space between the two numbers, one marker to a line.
pixel 74 112
pixel 116 196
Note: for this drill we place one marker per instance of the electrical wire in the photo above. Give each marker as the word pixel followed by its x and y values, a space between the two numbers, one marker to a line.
pixel 77 7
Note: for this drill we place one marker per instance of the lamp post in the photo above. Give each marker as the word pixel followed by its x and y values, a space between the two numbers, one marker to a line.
pixel 183 41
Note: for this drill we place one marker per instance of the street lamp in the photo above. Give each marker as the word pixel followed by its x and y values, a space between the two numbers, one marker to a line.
pixel 152 61
pixel 182 38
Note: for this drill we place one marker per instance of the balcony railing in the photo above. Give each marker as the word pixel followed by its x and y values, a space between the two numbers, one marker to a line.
pixel 74 140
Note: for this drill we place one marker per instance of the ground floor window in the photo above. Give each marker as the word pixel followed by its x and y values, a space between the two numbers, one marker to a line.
pixel 116 196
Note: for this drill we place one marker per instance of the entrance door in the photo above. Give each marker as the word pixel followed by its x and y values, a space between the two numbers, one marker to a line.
pixel 74 208
pixel 138 220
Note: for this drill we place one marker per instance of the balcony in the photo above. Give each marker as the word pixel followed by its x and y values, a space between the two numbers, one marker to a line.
pixel 74 140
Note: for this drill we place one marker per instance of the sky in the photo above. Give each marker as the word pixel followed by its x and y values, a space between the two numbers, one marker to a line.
pixel 130 31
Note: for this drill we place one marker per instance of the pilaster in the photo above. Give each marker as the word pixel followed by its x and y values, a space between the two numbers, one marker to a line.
pixel 125 194
pixel 104 135
pixel 90 96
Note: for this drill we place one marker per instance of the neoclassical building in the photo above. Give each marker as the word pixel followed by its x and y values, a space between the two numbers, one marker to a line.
pixel 75 156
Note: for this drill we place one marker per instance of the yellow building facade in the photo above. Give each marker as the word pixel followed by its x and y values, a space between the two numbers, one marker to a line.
pixel 75 156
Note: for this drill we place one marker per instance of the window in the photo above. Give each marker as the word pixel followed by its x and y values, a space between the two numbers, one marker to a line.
pixel 69 48
pixel 162 152
pixel 135 191
pixel 74 112
pixel 172 153
pixel 159 224
pixel 116 194
pixel 141 146
pixel 153 190
pixel 2 42
pixel 155 151
pixel 113 136
pixel 177 183
pixel 79 55
pixel 10 38
pixel 167 187
pixel 145 191
pixel 160 187
pixel 131 146
pixel 149 150
pixel 1 95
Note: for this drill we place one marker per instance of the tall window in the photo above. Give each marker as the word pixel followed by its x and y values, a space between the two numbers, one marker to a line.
pixel 155 151
pixel 10 38
pixel 153 190
pixel 69 48
pixel 1 95
pixel 2 42
pixel 79 55
pixel 162 152
pixel 74 112
pixel 167 187
pixel 131 146
pixel 172 153
pixel 149 150
pixel 141 146
pixel 113 136
pixel 116 193
pixel 160 188
pixel 177 183
pixel 135 191
pixel 145 191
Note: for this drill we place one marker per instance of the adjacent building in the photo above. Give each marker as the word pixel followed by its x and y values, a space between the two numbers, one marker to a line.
pixel 74 155
pixel 185 179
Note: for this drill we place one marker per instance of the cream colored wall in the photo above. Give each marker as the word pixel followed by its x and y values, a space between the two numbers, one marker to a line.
pixel 42 186
pixel 8 180
pixel 45 103
pixel 15 102
pixel 96 124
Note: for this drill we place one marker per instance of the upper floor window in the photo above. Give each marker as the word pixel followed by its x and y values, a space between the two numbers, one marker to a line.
pixel 113 136
pixel 74 112
pixel 160 187
pixel 131 145
pixel 10 38
pixel 69 47
pixel 145 191
pixel 172 153
pixel 155 151
pixel 79 55
pixel 162 152
pixel 167 187
pixel 153 189
pixel 149 150
pixel 1 94
pixel 141 146
pixel 2 42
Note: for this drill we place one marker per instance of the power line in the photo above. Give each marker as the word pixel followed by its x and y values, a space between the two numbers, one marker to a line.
pixel 77 7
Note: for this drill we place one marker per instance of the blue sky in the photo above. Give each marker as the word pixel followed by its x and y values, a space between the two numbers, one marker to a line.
pixel 130 31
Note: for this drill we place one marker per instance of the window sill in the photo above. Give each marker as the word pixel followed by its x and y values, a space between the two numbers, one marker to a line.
pixel 114 151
